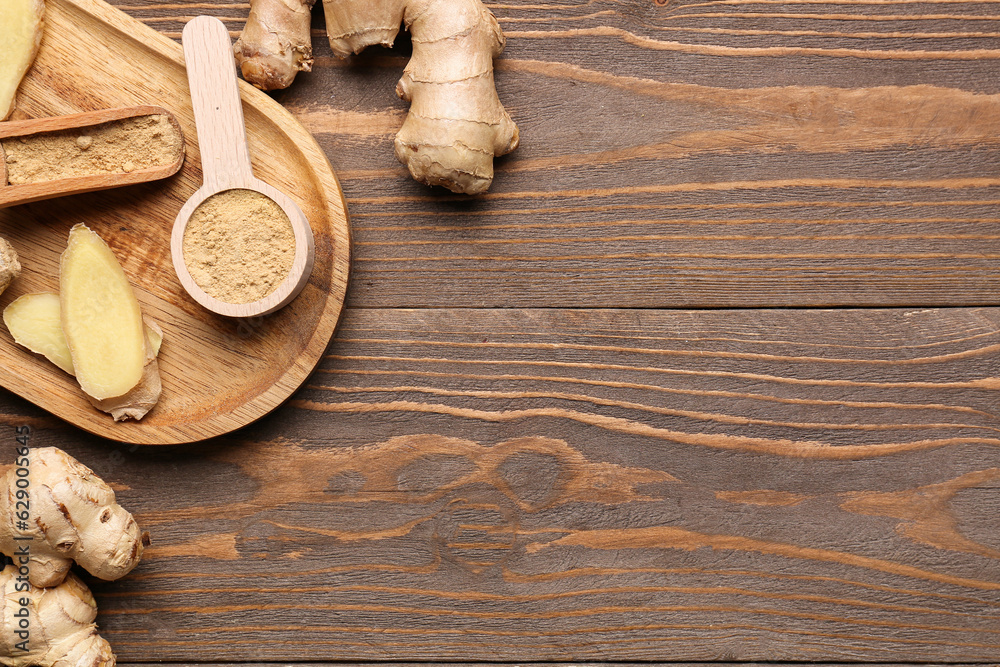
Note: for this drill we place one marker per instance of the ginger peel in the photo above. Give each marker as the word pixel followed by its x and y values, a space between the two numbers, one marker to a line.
pixel 456 124
pixel 74 518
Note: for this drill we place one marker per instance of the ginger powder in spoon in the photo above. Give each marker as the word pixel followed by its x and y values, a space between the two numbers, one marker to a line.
pixel 238 246
pixel 119 146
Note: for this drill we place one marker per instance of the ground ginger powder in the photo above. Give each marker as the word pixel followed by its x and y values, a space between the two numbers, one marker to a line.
pixel 238 246
pixel 115 147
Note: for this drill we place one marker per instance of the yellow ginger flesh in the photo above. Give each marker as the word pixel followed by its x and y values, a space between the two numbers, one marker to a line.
pixel 34 321
pixel 100 317
pixel 20 37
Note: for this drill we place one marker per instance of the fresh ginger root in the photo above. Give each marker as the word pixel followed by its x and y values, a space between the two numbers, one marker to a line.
pixel 456 123
pixel 10 268
pixel 22 22
pixel 275 44
pixel 61 629
pixel 73 516
pixel 35 322
pixel 104 329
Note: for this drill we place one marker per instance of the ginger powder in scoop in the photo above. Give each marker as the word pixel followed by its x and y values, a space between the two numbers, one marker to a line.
pixel 119 146
pixel 238 246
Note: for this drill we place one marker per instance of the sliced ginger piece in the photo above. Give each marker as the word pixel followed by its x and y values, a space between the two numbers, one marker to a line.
pixel 33 320
pixel 35 323
pixel 22 22
pixel 100 317
pixel 142 397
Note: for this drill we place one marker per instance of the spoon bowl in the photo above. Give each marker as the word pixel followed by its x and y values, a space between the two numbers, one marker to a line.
pixel 225 161
pixel 24 193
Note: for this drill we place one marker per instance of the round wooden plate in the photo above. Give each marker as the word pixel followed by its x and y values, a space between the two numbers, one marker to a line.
pixel 219 373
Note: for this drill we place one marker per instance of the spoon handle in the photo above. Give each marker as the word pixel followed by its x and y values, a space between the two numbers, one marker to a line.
pixel 215 97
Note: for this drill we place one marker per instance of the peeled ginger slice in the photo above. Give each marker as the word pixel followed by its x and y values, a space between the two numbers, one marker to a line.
pixel 100 317
pixel 141 398
pixel 19 41
pixel 33 320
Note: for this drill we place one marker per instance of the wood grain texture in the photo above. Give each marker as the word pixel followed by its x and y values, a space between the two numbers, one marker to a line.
pixel 681 153
pixel 540 483
pixel 218 373
pixel 584 485
pixel 535 664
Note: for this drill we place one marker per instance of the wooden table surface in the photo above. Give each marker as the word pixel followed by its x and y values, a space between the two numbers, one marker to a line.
pixel 711 373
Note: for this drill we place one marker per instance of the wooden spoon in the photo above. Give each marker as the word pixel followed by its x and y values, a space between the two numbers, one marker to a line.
pixel 24 193
pixel 225 162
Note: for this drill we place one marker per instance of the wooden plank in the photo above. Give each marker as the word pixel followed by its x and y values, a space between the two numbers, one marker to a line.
pixel 687 154
pixel 458 485
pixel 484 485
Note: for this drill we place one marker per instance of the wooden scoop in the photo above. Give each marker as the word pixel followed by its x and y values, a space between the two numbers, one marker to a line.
pixel 225 162
pixel 11 195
